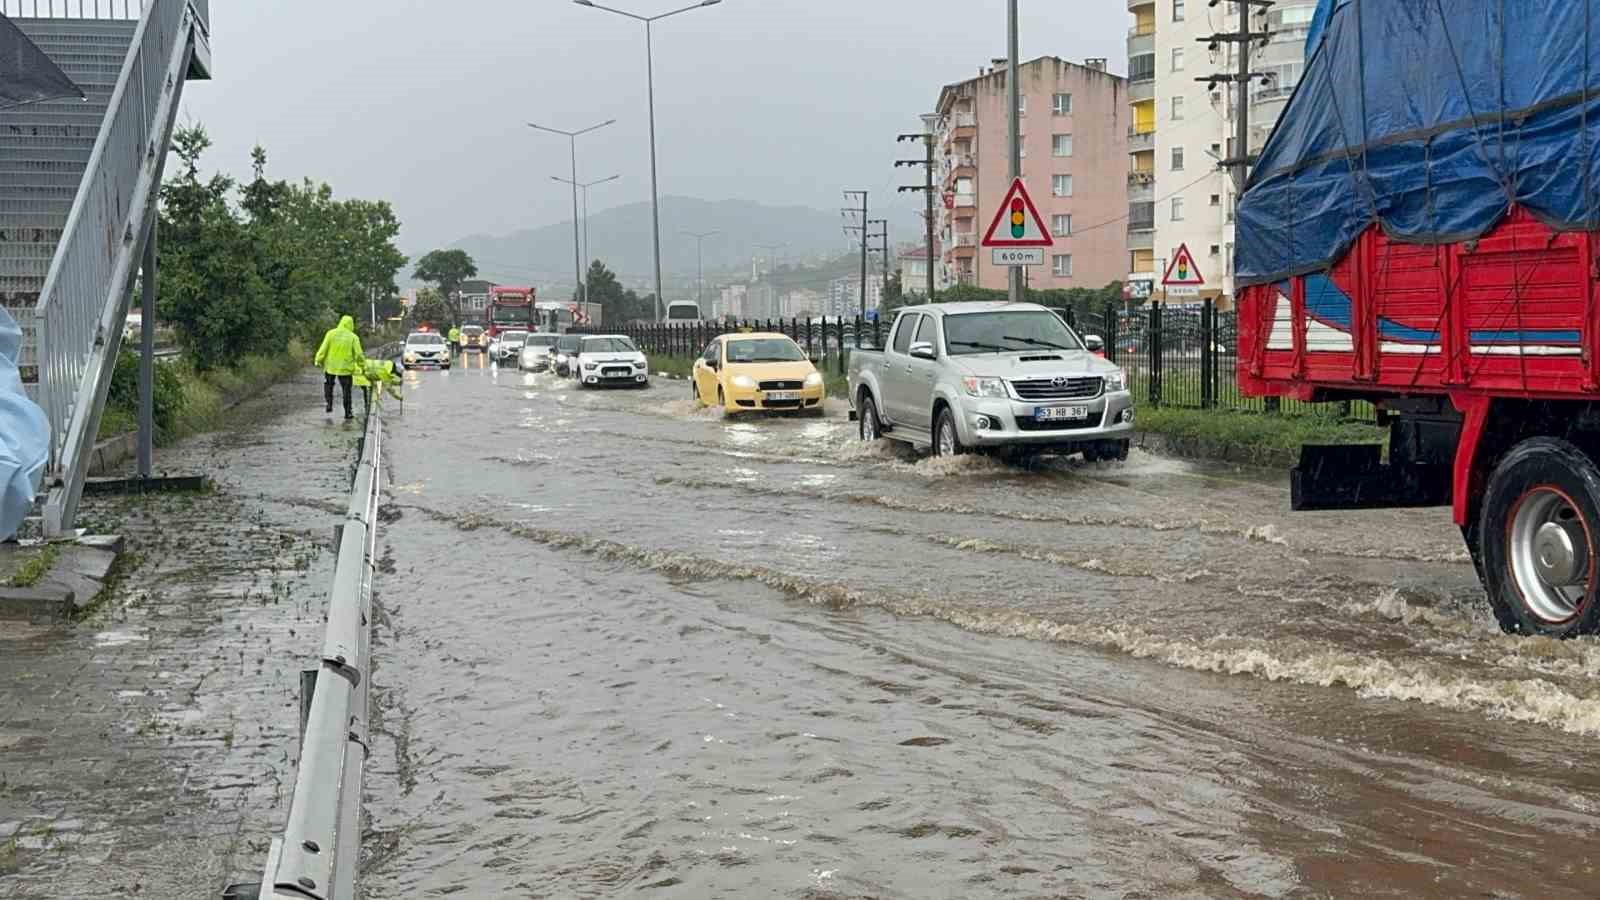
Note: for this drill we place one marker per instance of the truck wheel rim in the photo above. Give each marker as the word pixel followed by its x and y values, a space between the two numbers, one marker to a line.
pixel 947 438
pixel 1551 554
pixel 869 422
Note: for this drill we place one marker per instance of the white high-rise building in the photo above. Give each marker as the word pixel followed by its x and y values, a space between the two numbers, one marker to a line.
pixel 1182 127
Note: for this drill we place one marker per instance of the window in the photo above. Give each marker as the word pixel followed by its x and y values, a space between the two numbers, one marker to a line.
pixel 711 352
pixel 1177 10
pixel 1061 224
pixel 1177 59
pixel 1061 144
pixel 1177 109
pixel 1216 249
pixel 1061 265
pixel 1142 67
pixel 1177 209
pixel 1216 199
pixel 1216 149
pixel 926 333
pixel 1061 185
pixel 902 332
pixel 1061 104
pixel 1177 159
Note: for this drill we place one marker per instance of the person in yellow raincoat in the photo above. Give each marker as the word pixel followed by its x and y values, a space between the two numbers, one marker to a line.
pixel 340 358
pixel 455 341
pixel 377 375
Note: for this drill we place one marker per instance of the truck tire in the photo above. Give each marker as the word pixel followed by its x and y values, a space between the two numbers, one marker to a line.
pixel 946 436
pixel 870 426
pixel 1540 539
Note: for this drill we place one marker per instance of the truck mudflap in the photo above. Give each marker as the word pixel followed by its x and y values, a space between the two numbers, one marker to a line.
pixel 1354 476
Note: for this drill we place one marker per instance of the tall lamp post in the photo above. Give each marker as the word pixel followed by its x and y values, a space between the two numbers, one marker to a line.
pixel 577 252
pixel 585 188
pixel 650 76
pixel 700 260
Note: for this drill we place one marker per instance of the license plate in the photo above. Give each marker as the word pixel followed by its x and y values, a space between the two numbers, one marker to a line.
pixel 783 395
pixel 1060 413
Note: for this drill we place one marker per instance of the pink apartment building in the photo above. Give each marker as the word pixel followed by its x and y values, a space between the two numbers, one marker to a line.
pixel 1075 164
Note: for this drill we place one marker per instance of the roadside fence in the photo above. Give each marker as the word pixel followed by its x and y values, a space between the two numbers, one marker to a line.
pixel 1177 355
pixel 315 856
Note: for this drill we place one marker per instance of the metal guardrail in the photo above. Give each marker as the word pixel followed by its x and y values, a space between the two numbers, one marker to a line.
pixel 119 10
pixel 316 855
pixel 85 293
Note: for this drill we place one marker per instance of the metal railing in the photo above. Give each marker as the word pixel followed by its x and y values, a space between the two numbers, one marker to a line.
pixel 85 293
pixel 317 853
pixel 121 10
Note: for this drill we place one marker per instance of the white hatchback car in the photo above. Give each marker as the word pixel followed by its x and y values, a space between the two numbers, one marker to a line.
pixel 611 359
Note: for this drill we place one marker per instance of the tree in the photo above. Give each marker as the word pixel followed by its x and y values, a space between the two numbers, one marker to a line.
pixel 893 296
pixel 431 309
pixel 617 305
pixel 446 269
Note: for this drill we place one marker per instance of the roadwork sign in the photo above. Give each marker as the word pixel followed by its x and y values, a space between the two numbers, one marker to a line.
pixel 1183 275
pixel 1023 227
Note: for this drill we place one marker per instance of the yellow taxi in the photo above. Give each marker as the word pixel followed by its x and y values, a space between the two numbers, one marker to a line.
pixel 758 371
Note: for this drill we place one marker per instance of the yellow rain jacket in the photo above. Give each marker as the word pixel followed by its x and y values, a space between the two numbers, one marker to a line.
pixel 340 353
pixel 455 336
pixel 378 372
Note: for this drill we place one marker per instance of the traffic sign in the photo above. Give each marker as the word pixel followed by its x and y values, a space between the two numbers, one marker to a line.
pixel 1024 227
pixel 1183 276
pixel 1018 256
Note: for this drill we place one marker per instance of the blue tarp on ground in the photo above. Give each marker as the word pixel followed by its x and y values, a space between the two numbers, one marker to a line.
pixel 24 435
pixel 1429 117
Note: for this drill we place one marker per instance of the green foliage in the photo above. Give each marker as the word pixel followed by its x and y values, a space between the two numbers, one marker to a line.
pixel 1256 430
pixel 618 306
pixel 894 295
pixel 432 310
pixel 447 269
pixel 123 397
pixel 36 567
pixel 281 267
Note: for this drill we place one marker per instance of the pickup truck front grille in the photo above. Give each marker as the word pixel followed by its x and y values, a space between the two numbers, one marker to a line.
pixel 1058 388
pixel 782 385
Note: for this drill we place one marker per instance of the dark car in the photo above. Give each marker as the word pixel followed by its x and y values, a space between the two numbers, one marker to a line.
pixel 566 351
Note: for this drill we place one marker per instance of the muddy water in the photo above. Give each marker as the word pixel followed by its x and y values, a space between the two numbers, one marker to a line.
pixel 629 645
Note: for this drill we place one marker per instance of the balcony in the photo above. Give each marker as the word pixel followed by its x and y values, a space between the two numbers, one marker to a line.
pixel 1141 216
pixel 1141 90
pixel 1134 5
pixel 1141 191
pixel 1141 239
pixel 1141 40
pixel 970 239
pixel 1141 141
pixel 966 201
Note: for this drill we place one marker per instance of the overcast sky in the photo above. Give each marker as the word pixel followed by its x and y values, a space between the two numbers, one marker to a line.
pixel 424 102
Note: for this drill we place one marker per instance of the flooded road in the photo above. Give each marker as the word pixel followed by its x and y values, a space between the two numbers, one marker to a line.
pixel 627 646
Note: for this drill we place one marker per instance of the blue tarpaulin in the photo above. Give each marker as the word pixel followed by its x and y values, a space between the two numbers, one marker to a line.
pixel 1429 118
pixel 24 435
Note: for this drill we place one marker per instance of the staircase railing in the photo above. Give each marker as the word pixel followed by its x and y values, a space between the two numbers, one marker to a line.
pixel 84 301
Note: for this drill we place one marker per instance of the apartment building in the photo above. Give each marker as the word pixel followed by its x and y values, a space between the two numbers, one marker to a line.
pixel 1074 125
pixel 1182 127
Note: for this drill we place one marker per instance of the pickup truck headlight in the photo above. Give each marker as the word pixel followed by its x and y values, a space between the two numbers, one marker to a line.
pixel 1116 380
pixel 984 387
pixel 744 382
pixel 814 380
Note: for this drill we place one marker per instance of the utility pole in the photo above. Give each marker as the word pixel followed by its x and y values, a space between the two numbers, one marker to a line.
pixel 1014 98
pixel 863 228
pixel 1239 161
pixel 882 236
pixel 699 253
pixel 927 138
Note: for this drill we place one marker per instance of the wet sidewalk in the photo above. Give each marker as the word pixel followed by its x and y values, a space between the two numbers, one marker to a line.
pixel 145 751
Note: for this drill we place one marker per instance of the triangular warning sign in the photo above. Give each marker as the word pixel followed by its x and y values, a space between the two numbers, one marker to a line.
pixel 1182 271
pixel 1017 223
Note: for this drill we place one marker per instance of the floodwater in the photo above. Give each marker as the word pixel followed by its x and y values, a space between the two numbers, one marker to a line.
pixel 631 648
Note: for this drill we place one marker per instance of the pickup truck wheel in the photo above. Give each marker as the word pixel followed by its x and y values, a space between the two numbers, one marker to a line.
pixel 946 439
pixel 1540 540
pixel 871 427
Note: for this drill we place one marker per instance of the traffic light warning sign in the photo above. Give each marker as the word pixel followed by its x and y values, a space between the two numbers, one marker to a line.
pixel 1022 225
pixel 1182 271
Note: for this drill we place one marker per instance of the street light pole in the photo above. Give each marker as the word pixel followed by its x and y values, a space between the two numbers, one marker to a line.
pixel 577 251
pixel 699 254
pixel 1013 93
pixel 584 186
pixel 650 80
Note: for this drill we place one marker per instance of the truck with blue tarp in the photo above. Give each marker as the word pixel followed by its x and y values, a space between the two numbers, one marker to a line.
pixel 1422 230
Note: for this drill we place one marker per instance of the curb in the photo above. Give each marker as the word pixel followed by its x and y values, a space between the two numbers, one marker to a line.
pixel 75 580
pixel 1196 448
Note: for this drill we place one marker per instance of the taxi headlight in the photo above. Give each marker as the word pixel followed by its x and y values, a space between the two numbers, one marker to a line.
pixel 744 382
pixel 814 380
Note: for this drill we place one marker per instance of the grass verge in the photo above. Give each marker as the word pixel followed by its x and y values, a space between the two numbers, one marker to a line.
pixel 202 397
pixel 681 366
pixel 1253 430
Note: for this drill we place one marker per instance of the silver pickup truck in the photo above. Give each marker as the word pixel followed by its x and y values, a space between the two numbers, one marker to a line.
pixel 961 376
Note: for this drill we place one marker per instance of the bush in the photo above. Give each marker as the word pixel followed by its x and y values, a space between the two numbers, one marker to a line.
pixel 122 401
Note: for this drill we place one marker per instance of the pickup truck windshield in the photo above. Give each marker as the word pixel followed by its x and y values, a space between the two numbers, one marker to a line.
pixel 608 345
pixel 1006 332
pixel 764 350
